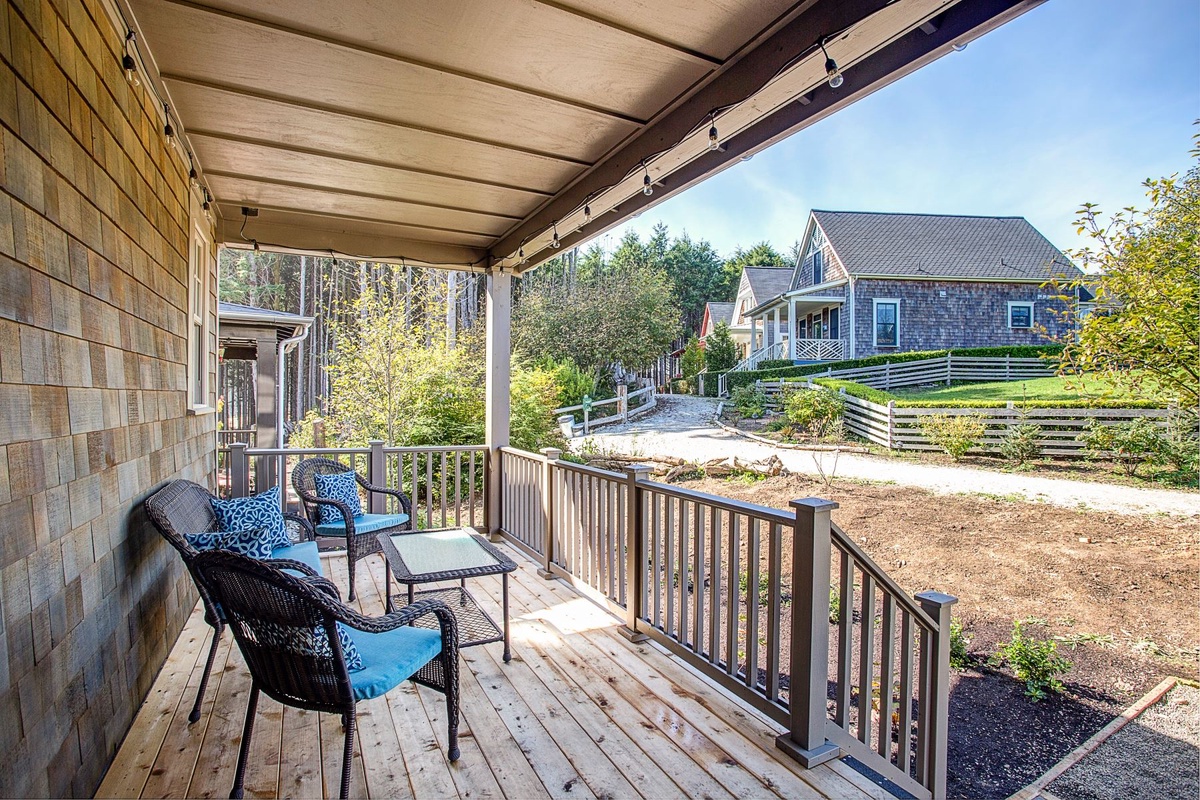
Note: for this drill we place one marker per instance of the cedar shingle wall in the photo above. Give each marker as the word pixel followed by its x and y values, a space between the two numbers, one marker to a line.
pixel 93 266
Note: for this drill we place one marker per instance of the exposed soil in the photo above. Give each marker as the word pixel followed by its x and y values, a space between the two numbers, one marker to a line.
pixel 1075 573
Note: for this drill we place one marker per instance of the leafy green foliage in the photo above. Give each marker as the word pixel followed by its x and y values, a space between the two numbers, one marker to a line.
pixel 1020 443
pixel 534 396
pixel 835 604
pixel 954 433
pixel 1129 444
pixel 774 363
pixel 1145 331
pixel 692 361
pixel 720 353
pixel 960 658
pixel 816 410
pixel 573 382
pixel 749 401
pixel 1179 445
pixel 1036 662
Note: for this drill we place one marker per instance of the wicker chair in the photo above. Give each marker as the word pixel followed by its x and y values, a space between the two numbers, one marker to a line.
pixel 184 507
pixel 285 627
pixel 361 532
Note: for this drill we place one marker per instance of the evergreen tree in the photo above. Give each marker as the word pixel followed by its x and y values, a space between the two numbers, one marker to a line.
pixel 720 353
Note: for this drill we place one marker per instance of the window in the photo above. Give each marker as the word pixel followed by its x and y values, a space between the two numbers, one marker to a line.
pixel 818 267
pixel 199 268
pixel 1020 315
pixel 887 323
pixel 834 331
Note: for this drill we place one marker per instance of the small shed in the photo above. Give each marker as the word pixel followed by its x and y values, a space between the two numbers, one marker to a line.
pixel 264 337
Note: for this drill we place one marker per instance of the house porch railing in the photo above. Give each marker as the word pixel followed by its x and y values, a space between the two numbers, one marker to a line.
pixel 750 362
pixel 820 350
pixel 751 596
pixel 764 602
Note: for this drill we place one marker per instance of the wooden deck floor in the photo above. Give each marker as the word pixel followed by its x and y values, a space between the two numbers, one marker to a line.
pixel 579 713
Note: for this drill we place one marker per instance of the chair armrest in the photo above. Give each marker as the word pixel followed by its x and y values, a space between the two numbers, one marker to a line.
pixel 402 617
pixel 340 506
pixel 292 564
pixel 400 496
pixel 307 532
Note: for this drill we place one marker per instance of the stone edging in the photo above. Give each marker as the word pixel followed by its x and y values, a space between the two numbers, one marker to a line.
pixel 1034 789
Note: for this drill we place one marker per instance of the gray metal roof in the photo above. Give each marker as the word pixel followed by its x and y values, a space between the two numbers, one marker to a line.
pixel 767 282
pixel 720 312
pixel 935 245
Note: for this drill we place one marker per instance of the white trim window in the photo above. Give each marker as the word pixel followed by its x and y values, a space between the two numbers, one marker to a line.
pixel 887 322
pixel 1020 314
pixel 199 310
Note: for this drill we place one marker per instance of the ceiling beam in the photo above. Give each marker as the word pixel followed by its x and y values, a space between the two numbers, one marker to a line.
pixel 956 24
pixel 232 210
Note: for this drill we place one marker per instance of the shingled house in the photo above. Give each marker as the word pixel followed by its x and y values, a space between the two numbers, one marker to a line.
pixel 870 283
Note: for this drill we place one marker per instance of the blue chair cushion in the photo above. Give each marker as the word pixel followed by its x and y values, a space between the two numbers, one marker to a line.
pixel 252 542
pixel 391 657
pixel 363 523
pixel 304 552
pixel 340 486
pixel 260 511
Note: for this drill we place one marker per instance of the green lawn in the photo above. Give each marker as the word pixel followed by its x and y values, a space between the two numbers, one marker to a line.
pixel 1053 388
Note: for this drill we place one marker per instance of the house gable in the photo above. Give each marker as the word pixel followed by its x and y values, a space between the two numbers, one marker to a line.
pixel 818 262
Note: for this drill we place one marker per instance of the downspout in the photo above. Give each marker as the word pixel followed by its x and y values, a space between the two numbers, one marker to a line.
pixel 283 347
pixel 850 304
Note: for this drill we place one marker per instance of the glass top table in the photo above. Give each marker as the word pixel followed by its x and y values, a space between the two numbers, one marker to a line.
pixel 450 555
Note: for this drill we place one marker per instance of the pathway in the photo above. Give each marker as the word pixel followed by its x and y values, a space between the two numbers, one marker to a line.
pixel 683 426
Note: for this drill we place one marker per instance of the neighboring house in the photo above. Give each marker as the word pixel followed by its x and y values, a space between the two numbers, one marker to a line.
pixel 871 283
pixel 757 286
pixel 715 313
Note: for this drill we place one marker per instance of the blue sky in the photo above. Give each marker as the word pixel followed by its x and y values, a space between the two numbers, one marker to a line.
pixel 1074 101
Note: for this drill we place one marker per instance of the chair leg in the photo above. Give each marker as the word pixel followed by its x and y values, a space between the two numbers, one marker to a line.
pixel 350 565
pixel 348 754
pixel 451 710
pixel 239 777
pixel 212 656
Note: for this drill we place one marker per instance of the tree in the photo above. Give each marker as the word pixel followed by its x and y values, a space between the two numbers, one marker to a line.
pixel 720 354
pixel 695 271
pixel 692 362
pixel 626 315
pixel 760 255
pixel 1144 334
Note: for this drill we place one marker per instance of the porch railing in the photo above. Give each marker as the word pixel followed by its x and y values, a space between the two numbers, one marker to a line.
pixel 750 362
pixel 779 607
pixel 820 349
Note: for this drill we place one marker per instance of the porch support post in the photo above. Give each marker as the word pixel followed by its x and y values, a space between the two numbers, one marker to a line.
pixel 811 551
pixel 778 337
pixel 267 420
pixel 934 710
pixel 635 552
pixel 791 329
pixel 498 319
pixel 552 455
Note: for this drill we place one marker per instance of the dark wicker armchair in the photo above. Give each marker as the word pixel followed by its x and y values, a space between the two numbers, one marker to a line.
pixel 361 532
pixel 183 507
pixel 285 627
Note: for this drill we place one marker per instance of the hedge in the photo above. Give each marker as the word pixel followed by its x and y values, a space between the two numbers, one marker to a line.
pixel 1015 351
pixel 880 397
pixel 774 363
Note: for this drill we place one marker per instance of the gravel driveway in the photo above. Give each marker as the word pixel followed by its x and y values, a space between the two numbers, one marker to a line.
pixel 683 426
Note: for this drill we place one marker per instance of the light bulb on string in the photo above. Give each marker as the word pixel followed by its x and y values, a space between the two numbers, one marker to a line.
pixel 128 63
pixel 714 139
pixel 832 72
pixel 193 178
pixel 554 243
pixel 587 213
pixel 647 186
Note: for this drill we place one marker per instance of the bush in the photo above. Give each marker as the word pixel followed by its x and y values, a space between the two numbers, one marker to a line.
pixel 817 410
pixel 1036 662
pixel 749 401
pixel 692 361
pixel 1020 443
pixel 720 353
pixel 775 363
pixel 1179 446
pixel 1127 443
pixel 572 381
pixel 956 434
pixel 711 381
pixel 960 659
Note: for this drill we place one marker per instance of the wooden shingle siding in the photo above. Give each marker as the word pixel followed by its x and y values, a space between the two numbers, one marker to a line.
pixel 94 228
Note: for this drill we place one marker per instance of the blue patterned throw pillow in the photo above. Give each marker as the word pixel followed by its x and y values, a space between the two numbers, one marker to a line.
pixel 260 511
pixel 340 486
pixel 311 642
pixel 251 542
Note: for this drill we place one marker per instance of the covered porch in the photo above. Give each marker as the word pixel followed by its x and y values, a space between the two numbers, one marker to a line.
pixel 802 327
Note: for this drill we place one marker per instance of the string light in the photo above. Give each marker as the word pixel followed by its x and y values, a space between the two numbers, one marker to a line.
pixel 128 63
pixel 587 212
pixel 831 69
pixel 193 178
pixel 647 187
pixel 714 139
pixel 555 243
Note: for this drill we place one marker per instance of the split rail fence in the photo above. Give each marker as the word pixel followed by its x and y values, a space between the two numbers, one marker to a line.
pixel 925 372
pixel 626 406
pixel 743 593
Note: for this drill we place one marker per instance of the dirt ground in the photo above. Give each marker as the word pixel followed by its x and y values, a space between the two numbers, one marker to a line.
pixel 1081 575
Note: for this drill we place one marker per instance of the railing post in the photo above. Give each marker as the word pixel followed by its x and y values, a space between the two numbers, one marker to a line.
pixel 809 676
pixel 934 710
pixel 552 455
pixel 239 470
pixel 949 367
pixel 891 409
pixel 623 401
pixel 635 552
pixel 377 476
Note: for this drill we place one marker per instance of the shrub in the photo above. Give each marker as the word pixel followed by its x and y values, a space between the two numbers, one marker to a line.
pixel 720 353
pixel 1036 662
pixel 1127 443
pixel 835 605
pixel 956 434
pixel 692 361
pixel 775 363
pixel 817 410
pixel 1179 446
pixel 749 401
pixel 1020 443
pixel 959 657
pixel 572 381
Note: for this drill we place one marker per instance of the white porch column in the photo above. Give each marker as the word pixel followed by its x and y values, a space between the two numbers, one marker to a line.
pixel 791 354
pixel 498 319
pixel 778 327
pixel 753 334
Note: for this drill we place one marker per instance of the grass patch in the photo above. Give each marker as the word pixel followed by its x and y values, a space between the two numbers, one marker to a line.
pixel 1041 389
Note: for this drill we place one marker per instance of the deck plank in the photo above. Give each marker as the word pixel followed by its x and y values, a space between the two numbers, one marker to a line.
pixel 579 713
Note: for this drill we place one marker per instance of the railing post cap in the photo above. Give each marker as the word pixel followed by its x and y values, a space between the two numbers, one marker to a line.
pixel 938 599
pixel 551 452
pixel 241 445
pixel 376 443
pixel 637 471
pixel 815 503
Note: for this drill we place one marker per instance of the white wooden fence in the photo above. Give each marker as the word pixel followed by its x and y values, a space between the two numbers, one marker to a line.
pixel 900 428
pixel 627 405
pixel 945 369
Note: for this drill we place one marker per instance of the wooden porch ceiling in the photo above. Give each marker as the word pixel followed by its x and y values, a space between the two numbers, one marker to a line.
pixel 458 132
